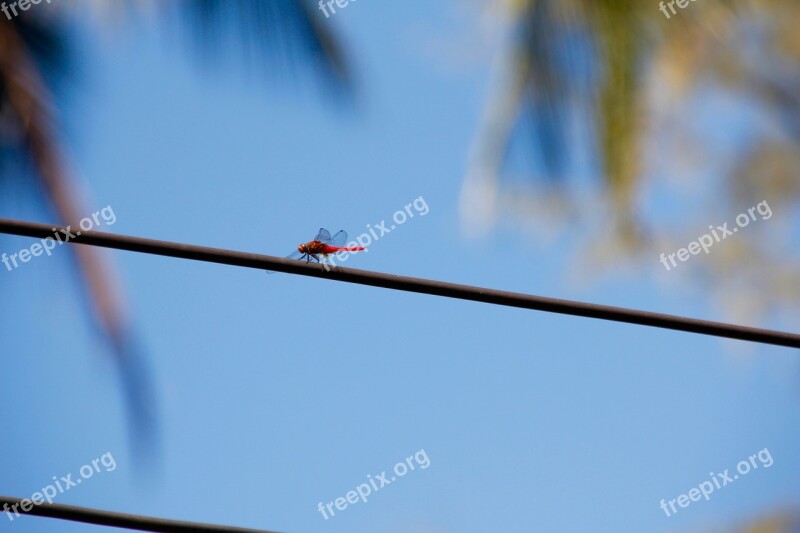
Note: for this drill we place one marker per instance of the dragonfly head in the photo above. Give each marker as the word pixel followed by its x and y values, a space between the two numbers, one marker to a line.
pixel 301 248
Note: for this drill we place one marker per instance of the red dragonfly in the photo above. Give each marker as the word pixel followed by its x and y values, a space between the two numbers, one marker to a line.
pixel 323 245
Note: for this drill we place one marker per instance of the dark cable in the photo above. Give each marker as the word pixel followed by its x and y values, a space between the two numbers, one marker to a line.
pixel 119 520
pixel 403 283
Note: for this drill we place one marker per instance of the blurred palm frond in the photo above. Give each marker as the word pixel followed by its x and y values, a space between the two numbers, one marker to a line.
pixel 35 57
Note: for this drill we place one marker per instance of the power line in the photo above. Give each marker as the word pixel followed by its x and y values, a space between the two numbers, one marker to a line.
pixel 119 520
pixel 403 283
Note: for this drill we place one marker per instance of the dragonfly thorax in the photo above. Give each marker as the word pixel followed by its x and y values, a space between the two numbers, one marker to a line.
pixel 313 247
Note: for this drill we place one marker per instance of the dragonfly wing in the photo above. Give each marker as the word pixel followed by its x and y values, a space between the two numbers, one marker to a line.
pixel 339 239
pixel 294 255
pixel 323 236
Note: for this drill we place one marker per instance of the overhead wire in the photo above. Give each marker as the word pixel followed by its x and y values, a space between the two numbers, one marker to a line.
pixel 12 506
pixel 404 283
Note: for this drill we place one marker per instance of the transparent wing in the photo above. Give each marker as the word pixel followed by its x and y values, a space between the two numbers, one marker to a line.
pixel 323 236
pixel 294 255
pixel 339 239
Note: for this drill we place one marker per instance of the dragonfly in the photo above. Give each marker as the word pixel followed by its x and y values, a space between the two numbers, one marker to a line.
pixel 323 245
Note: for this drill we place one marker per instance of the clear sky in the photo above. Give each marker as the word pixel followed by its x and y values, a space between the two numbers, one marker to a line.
pixel 280 392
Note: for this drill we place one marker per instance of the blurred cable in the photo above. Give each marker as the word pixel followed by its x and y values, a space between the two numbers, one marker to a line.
pixel 403 283
pixel 119 520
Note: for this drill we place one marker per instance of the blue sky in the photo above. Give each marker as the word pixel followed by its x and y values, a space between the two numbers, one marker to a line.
pixel 279 392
